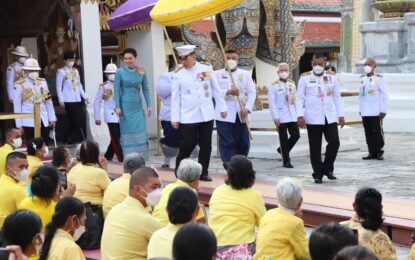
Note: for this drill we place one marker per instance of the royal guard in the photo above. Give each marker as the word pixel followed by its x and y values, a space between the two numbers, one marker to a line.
pixel 15 71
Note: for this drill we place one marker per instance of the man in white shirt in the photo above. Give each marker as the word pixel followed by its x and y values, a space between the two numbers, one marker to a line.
pixel 318 105
pixel 373 106
pixel 15 70
pixel 281 98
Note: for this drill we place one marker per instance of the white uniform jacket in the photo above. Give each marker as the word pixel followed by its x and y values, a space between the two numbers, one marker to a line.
pixel 192 93
pixel 25 93
pixel 14 73
pixel 281 98
pixel 373 96
pixel 68 86
pixel 247 93
pixel 163 89
pixel 105 93
pixel 318 98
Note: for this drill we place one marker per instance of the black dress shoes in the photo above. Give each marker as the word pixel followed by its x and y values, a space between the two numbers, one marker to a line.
pixel 379 156
pixel 370 157
pixel 288 165
pixel 331 176
pixel 205 178
pixel 317 178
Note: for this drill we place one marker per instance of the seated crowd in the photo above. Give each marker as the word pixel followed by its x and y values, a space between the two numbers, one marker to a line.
pixel 55 212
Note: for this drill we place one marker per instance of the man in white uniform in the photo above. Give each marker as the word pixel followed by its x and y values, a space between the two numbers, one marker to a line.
pixel 373 106
pixel 27 91
pixel 318 105
pixel 281 98
pixel 192 108
pixel 106 93
pixel 15 71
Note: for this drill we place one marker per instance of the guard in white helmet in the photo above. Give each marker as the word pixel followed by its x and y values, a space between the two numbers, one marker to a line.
pixel 15 71
pixel 106 93
pixel 27 92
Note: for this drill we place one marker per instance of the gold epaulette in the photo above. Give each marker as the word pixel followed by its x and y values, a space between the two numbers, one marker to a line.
pixel 330 72
pixel 178 69
pixel 20 81
pixel 291 81
pixel 378 75
pixel 275 82
pixel 102 84
pixel 205 63
pixel 41 79
pixel 306 73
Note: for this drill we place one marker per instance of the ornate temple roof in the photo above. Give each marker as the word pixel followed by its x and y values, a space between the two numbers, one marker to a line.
pixel 331 6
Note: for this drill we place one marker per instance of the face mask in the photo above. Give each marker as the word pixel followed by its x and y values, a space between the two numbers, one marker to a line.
pixel 22 60
pixel 34 75
pixel 17 142
pixel 283 75
pixel 39 247
pixel 111 77
pixel 70 64
pixel 23 175
pixel 153 197
pixel 46 151
pixel 318 69
pixel 368 69
pixel 79 231
pixel 232 64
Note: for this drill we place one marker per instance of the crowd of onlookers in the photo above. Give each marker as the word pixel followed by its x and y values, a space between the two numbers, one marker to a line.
pixel 56 211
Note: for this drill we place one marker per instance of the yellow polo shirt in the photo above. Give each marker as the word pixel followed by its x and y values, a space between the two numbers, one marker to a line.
pixel 127 231
pixel 161 243
pixel 63 247
pixel 90 181
pixel 11 195
pixel 160 210
pixel 116 193
pixel 42 208
pixel 281 235
pixel 34 164
pixel 4 151
pixel 234 214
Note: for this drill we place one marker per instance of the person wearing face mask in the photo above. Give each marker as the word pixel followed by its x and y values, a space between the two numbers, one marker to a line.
pixel 23 228
pixel 36 150
pixel 67 226
pixel 27 91
pixel 106 93
pixel 373 106
pixel 13 141
pixel 129 225
pixel 281 98
pixel 15 70
pixel 70 95
pixel 11 193
pixel 232 130
pixel 62 160
pixel 319 106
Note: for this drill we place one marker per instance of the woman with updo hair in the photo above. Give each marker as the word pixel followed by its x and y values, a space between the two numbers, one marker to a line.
pixel 35 151
pixel 368 222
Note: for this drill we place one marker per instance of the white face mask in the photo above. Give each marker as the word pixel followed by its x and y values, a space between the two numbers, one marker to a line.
pixel 79 231
pixel 17 142
pixel 70 64
pixel 318 69
pixel 22 60
pixel 283 75
pixel 33 75
pixel 23 175
pixel 232 64
pixel 111 77
pixel 368 69
pixel 153 197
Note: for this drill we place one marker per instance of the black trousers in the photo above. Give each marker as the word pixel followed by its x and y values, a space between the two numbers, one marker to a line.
pixel 76 116
pixel 374 134
pixel 193 134
pixel 288 143
pixel 29 133
pixel 315 136
pixel 114 147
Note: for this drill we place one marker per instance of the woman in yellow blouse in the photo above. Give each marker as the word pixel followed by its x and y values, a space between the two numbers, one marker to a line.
pixel 67 226
pixel 235 210
pixel 281 232
pixel 368 222
pixel 35 151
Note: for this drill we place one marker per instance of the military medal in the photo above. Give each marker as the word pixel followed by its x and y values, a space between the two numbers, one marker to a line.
pixel 320 94
pixel 241 77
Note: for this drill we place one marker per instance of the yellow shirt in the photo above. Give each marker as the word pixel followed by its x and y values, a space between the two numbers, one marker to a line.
pixel 116 193
pixel 412 256
pixel 234 214
pixel 90 181
pixel 42 208
pixel 4 151
pixel 127 231
pixel 11 195
pixel 281 235
pixel 161 243
pixel 160 210
pixel 63 247
pixel 34 164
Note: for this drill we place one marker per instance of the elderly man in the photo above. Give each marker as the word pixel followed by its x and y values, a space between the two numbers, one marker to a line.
pixel 13 141
pixel 373 106
pixel 117 191
pixel 188 176
pixel 192 108
pixel 281 98
pixel 129 225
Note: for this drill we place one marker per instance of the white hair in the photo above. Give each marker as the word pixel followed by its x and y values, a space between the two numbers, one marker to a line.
pixel 189 171
pixel 289 194
pixel 132 162
pixel 283 64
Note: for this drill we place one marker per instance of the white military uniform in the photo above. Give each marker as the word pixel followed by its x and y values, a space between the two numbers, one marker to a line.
pixel 247 93
pixel 105 93
pixel 164 90
pixel 192 93
pixel 318 98
pixel 14 74
pixel 24 96
pixel 373 98
pixel 68 86
pixel 281 98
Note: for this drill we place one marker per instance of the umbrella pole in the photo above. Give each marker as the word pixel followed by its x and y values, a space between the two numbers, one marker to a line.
pixel 170 45
pixel 245 120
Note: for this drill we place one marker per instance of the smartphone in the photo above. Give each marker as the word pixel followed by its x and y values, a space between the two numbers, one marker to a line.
pixel 63 180
pixel 4 253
